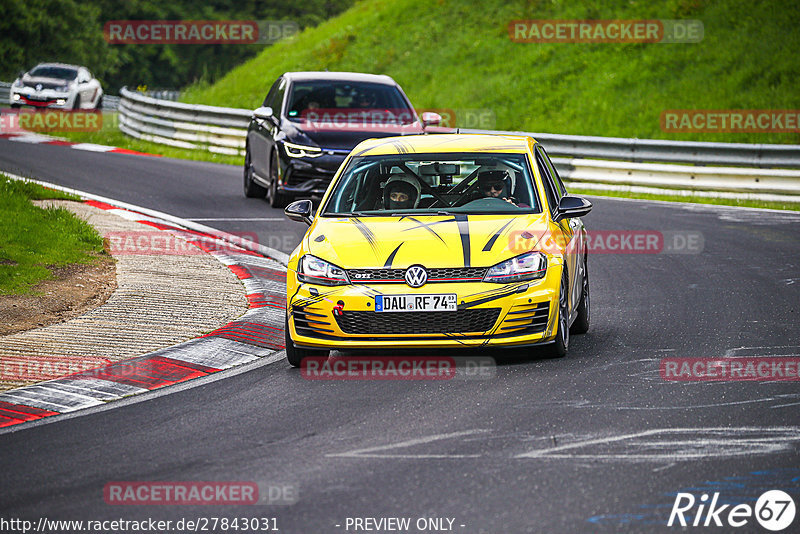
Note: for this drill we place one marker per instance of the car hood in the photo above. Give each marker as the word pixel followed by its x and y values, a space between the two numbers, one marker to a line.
pixel 345 137
pixel 429 240
pixel 46 82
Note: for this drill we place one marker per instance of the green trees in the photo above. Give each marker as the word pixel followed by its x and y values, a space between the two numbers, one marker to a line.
pixel 71 31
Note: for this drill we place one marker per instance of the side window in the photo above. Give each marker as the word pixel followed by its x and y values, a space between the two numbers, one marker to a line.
pixel 271 93
pixel 547 182
pixel 554 172
pixel 276 101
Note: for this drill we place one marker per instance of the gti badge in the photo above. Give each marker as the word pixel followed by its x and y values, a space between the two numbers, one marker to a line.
pixel 416 276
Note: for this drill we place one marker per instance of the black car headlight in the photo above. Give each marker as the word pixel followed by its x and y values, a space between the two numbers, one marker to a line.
pixel 313 270
pixel 529 266
pixel 301 151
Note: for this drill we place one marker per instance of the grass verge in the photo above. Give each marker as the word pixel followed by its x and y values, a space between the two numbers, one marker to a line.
pixel 457 55
pixel 35 240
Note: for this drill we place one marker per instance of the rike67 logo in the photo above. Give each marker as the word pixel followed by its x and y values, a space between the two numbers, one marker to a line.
pixel 774 510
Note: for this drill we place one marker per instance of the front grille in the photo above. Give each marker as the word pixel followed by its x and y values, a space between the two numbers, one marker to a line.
pixel 460 321
pixel 44 85
pixel 446 274
pixel 298 178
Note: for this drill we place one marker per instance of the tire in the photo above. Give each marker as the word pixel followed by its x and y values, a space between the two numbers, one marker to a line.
pixel 294 354
pixel 251 189
pixel 77 103
pixel 276 198
pixel 581 324
pixel 558 348
pixel 99 105
pixel 16 106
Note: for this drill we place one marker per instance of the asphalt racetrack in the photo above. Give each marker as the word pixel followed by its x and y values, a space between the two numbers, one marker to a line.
pixel 596 441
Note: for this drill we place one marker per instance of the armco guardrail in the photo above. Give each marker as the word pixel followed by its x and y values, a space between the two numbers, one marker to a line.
pixel 5 88
pixel 221 130
pixel 580 158
pixel 664 151
pixel 685 177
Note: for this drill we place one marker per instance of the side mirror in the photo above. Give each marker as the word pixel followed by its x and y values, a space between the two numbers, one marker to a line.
pixel 571 206
pixel 299 211
pixel 20 74
pixel 429 118
pixel 264 112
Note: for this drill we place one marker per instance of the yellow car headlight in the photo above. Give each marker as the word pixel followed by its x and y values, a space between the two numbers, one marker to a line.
pixel 529 266
pixel 313 270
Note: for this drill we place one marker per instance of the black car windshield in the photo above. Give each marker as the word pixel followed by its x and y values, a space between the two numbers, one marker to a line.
pixel 334 101
pixel 62 73
pixel 478 183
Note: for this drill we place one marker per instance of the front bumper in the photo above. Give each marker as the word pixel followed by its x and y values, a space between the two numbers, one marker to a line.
pixel 516 314
pixel 309 176
pixel 46 98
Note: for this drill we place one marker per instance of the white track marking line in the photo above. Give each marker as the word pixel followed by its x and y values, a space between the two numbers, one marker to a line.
pixel 366 453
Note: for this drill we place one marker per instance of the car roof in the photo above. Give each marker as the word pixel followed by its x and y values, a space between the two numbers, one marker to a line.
pixel 339 76
pixel 442 143
pixel 64 65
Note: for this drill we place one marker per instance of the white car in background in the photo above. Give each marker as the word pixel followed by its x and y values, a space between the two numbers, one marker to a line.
pixel 57 85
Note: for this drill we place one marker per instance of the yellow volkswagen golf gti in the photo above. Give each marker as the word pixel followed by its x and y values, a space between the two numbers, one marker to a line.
pixel 451 240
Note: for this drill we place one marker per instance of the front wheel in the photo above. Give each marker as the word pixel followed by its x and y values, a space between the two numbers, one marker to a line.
pixel 276 198
pixel 251 188
pixel 295 355
pixel 581 324
pixel 560 344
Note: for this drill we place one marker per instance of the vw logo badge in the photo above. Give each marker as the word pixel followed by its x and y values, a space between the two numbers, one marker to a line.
pixel 416 276
pixel 38 87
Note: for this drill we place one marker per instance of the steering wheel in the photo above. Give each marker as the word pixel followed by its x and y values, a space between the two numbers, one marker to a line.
pixel 490 202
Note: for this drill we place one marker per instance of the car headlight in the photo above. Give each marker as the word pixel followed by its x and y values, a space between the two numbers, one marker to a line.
pixel 528 266
pixel 301 151
pixel 17 83
pixel 316 271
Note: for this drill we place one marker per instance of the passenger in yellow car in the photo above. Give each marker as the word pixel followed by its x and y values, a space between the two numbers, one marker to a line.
pixel 401 192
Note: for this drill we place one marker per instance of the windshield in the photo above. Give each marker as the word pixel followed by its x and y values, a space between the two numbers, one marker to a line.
pixel 330 101
pixel 434 183
pixel 61 73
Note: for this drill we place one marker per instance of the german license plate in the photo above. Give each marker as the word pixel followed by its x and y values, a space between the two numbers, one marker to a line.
pixel 401 303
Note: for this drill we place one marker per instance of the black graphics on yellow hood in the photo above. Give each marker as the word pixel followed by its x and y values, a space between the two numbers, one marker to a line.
pixel 457 240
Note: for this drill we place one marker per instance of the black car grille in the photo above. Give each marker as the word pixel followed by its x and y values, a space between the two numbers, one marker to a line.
pixel 447 274
pixel 460 321
pixel 296 178
pixel 45 85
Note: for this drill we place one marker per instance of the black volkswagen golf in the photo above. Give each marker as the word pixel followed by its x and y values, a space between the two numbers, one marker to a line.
pixel 310 121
